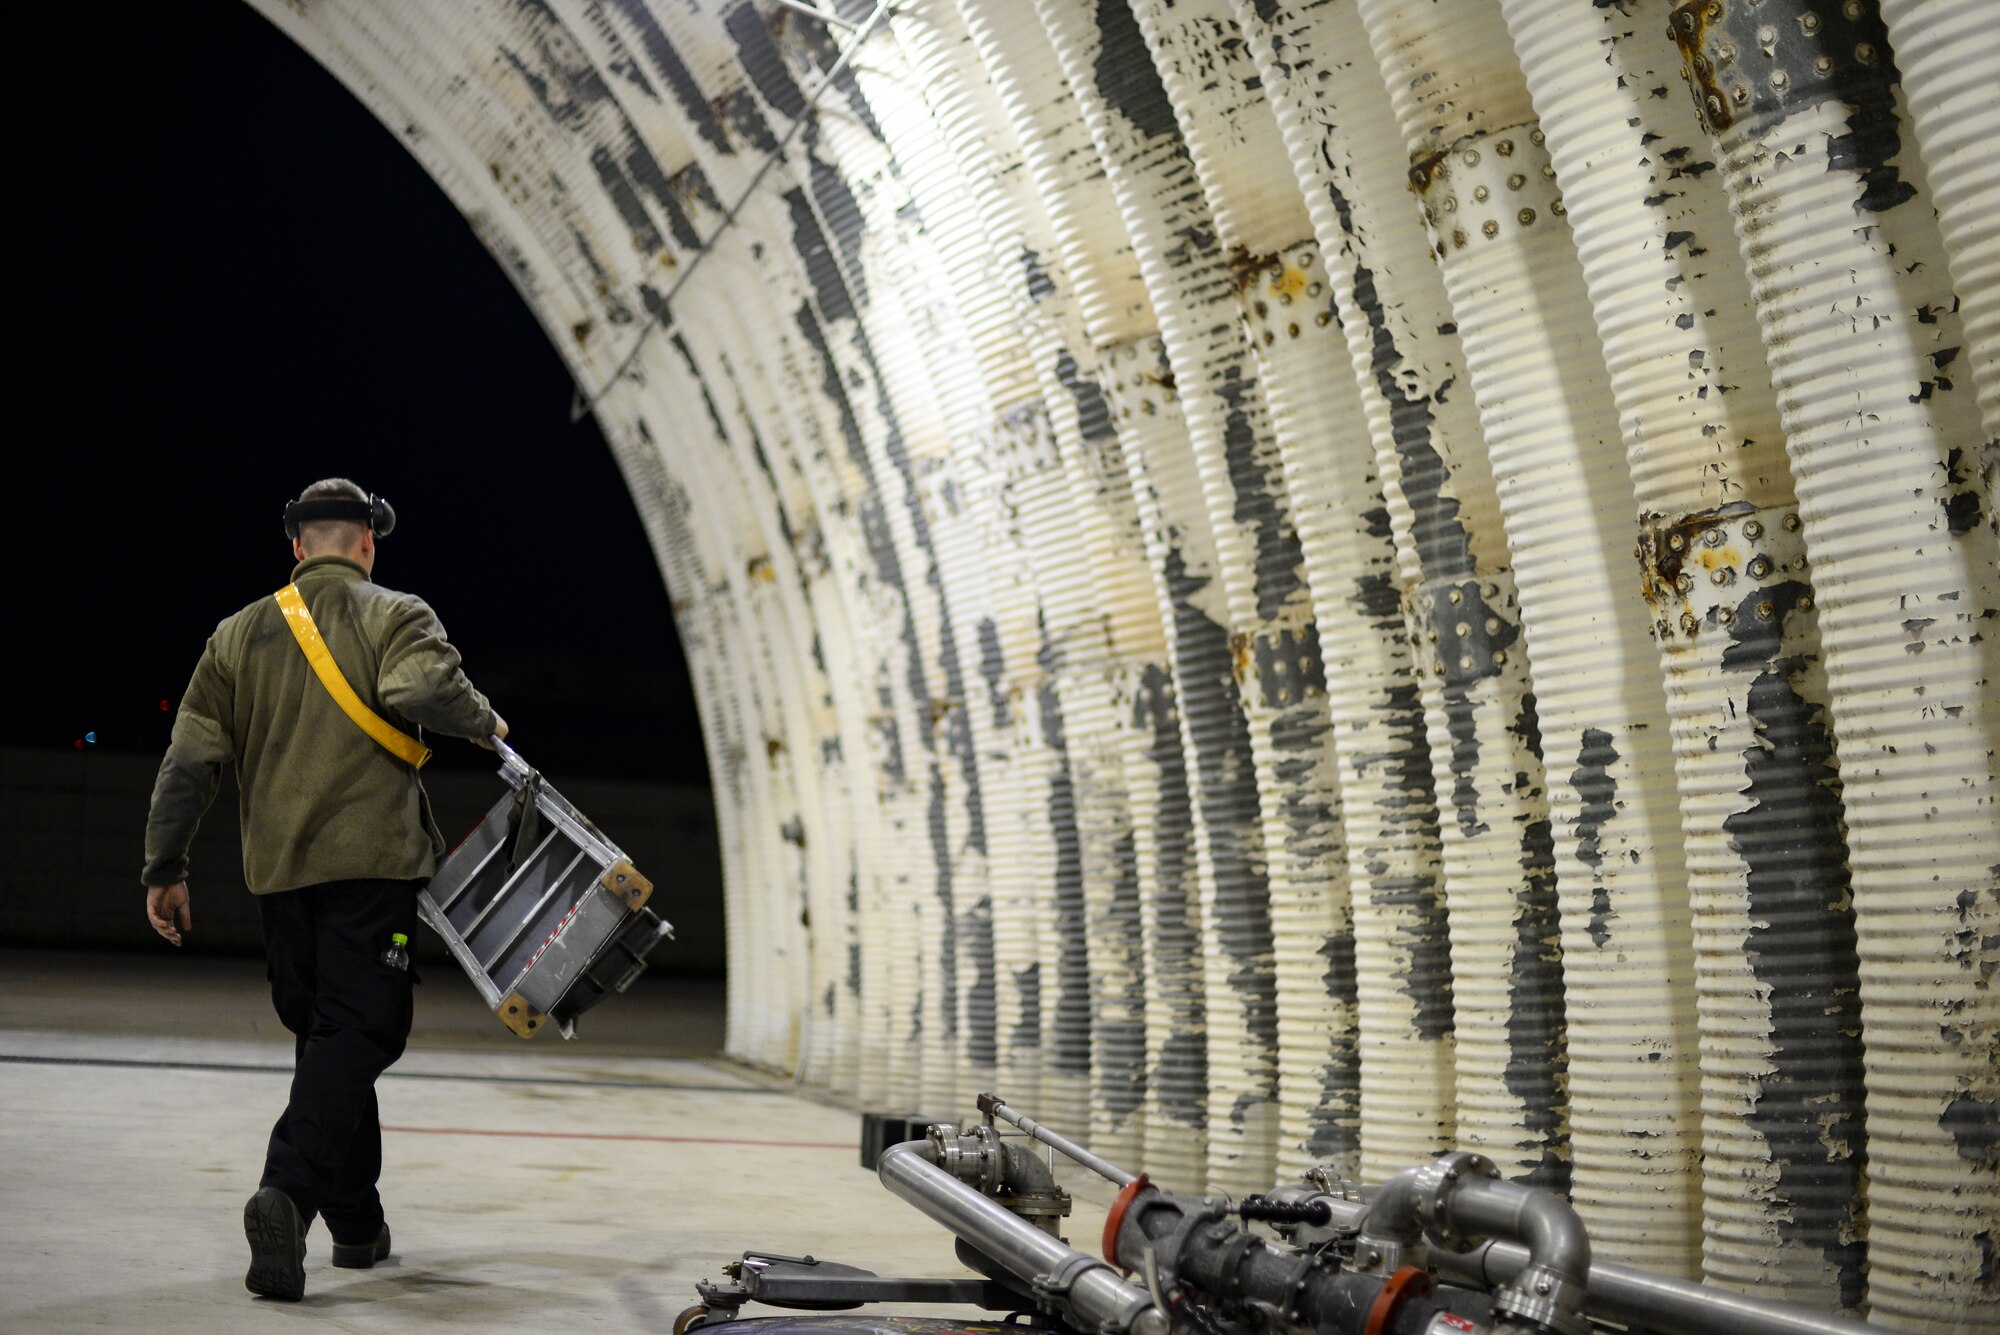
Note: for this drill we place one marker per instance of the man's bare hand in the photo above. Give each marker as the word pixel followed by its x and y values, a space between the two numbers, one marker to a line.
pixel 499 730
pixel 164 905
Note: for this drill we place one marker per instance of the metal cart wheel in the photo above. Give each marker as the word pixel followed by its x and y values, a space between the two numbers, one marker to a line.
pixel 690 1318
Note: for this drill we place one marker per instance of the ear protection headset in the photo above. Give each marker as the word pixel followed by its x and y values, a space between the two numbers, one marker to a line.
pixel 375 512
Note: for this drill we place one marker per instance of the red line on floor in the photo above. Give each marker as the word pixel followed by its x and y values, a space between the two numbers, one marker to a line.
pixel 605 1135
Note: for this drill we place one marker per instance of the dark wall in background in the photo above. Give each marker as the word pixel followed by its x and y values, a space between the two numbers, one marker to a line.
pixel 72 830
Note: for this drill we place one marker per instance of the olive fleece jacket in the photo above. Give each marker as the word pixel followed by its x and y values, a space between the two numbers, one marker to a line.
pixel 321 800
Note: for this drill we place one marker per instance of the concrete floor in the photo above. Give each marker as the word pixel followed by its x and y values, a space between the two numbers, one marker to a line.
pixel 581 1186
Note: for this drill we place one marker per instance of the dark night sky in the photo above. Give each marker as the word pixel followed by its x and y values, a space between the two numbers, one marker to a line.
pixel 239 282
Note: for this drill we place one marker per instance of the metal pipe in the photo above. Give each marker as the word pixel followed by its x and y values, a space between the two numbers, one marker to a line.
pixel 1084 1285
pixel 1619 1293
pixel 1104 1168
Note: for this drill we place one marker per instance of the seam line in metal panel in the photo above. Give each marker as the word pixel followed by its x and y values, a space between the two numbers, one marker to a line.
pixel 582 405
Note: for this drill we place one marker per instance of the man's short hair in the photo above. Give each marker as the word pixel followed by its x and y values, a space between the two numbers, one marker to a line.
pixel 318 537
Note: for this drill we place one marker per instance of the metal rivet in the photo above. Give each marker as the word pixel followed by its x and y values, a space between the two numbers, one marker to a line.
pixel 1823 65
pixel 1766 35
pixel 1516 181
pixel 1499 658
pixel 1766 610
pixel 1557 207
pixel 1791 523
pixel 1805 602
pixel 1753 530
pixel 1780 80
pixel 1809 22
pixel 1480 192
pixel 1505 148
pixel 1470 157
pixel 1685 583
pixel 1534 136
pixel 1714 104
pixel 1321 319
pixel 1292 330
pixel 1688 623
pixel 1726 615
pixel 1526 216
pixel 1548 171
pixel 1461 629
pixel 1723 576
pixel 1455 597
pixel 1493 625
pixel 1760 566
pixel 1713 537
pixel 1490 228
pixel 1313 290
pixel 1465 662
pixel 1865 54
pixel 1852 9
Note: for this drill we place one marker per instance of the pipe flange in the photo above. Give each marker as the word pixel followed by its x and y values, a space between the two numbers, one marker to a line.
pixel 1434 1199
pixel 1544 1300
pixel 1329 1183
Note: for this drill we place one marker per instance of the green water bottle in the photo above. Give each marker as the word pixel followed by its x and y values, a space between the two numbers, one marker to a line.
pixel 397 956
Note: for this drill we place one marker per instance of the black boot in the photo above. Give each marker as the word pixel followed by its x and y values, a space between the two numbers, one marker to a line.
pixel 361 1255
pixel 277 1246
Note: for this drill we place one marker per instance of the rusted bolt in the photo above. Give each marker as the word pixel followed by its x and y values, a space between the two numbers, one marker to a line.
pixel 1490 228
pixel 1865 53
pixel 1760 566
pixel 1505 148
pixel 1713 537
pixel 1527 216
pixel 1688 623
pixel 1321 319
pixel 1753 530
pixel 1739 93
pixel 1723 576
pixel 1292 330
pixel 1791 523
pixel 1766 610
pixel 1685 583
pixel 1726 615
pixel 1805 602
pixel 1713 103
pixel 1269 338
pixel 1676 541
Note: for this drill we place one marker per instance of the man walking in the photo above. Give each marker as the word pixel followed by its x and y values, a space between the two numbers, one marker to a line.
pixel 314 696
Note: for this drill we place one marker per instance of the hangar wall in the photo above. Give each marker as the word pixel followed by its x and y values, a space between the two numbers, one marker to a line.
pixel 1300 581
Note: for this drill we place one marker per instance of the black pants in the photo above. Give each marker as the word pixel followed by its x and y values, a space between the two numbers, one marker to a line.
pixel 351 1016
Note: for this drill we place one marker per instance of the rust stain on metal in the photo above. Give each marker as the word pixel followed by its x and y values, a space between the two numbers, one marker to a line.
pixel 1425 171
pixel 1239 655
pixel 1688 25
pixel 1667 547
pixel 759 568
pixel 1245 268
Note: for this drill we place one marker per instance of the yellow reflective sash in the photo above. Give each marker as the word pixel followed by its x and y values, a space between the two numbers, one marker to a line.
pixel 395 741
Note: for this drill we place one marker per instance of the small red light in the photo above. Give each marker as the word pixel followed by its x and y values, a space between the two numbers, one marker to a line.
pixel 163 706
pixel 79 743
